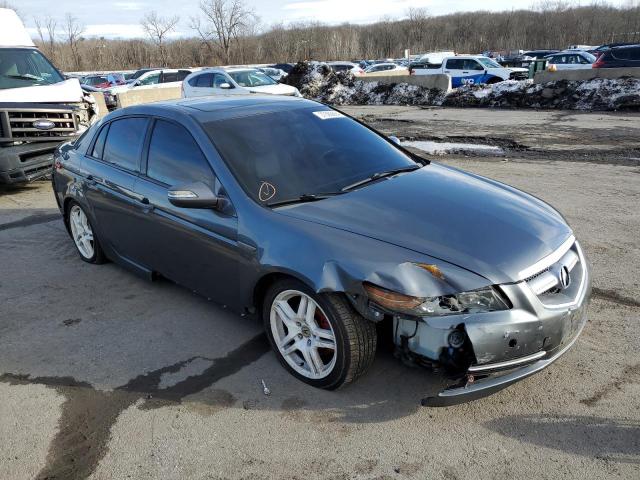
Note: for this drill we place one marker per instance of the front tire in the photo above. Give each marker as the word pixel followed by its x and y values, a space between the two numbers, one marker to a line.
pixel 319 338
pixel 83 235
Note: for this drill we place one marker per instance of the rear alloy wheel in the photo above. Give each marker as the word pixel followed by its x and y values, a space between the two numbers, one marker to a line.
pixel 83 236
pixel 320 339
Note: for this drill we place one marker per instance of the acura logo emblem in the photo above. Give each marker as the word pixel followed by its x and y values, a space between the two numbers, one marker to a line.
pixel 564 277
pixel 43 124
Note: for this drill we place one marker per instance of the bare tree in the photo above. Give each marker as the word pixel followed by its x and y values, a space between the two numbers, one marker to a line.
pixel 224 21
pixel 73 31
pixel 157 28
pixel 47 34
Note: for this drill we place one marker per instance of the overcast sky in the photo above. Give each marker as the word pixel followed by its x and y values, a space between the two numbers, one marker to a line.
pixel 121 18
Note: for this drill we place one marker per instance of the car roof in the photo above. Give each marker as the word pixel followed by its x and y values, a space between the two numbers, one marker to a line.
pixel 626 46
pixel 240 69
pixel 218 107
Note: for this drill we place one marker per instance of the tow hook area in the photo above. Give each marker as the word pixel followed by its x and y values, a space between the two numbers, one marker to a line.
pixel 447 352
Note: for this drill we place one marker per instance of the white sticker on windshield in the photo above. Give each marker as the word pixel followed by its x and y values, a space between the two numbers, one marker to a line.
pixel 327 114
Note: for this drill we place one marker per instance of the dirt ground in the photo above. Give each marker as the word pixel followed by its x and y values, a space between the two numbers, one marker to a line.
pixel 107 376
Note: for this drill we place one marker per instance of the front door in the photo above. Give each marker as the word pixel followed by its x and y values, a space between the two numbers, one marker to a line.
pixel 194 247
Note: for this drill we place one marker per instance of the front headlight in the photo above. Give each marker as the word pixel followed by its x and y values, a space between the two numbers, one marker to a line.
pixel 486 299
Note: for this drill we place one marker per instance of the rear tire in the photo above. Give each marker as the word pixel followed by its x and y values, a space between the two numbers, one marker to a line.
pixel 299 335
pixel 83 235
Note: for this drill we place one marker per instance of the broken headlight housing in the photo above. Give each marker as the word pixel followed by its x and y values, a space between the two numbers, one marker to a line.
pixel 487 299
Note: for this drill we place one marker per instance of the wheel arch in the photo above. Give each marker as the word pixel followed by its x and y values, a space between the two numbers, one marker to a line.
pixel 267 280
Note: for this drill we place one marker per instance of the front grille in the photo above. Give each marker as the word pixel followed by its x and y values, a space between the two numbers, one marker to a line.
pixel 17 124
pixel 548 285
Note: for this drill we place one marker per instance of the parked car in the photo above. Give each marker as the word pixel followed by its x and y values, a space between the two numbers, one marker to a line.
pixel 346 67
pixel 275 73
pixel 471 69
pixel 324 227
pixel 104 81
pixel 571 60
pixel 233 81
pixel 167 77
pixel 385 67
pixel 608 46
pixel 138 73
pixel 285 67
pixel 619 57
pixel 539 54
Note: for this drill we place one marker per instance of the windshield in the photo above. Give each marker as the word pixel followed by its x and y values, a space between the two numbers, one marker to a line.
pixel 26 67
pixel 283 155
pixel 251 78
pixel 487 62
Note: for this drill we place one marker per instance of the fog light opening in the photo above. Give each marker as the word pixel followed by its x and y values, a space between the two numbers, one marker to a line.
pixel 513 342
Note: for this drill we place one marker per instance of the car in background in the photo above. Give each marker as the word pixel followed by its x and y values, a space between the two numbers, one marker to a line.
pixel 103 81
pixel 346 67
pixel 386 67
pixel 138 73
pixel 472 70
pixel 570 60
pixel 233 81
pixel 608 46
pixel 164 78
pixel 539 54
pixel 274 73
pixel 285 67
pixel 619 57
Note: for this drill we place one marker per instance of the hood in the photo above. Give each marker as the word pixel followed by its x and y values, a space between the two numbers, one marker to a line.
pixel 68 91
pixel 483 226
pixel 279 89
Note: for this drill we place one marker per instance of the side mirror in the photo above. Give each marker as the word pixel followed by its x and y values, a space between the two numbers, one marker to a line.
pixel 193 195
pixel 225 85
pixel 395 139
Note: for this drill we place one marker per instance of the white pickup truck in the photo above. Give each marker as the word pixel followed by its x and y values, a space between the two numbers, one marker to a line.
pixel 39 108
pixel 470 69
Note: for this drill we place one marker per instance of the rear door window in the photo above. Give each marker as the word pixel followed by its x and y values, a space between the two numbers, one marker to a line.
pixel 174 156
pixel 169 77
pixel 124 142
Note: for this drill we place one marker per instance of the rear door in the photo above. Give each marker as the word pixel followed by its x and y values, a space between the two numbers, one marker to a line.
pixel 112 165
pixel 194 247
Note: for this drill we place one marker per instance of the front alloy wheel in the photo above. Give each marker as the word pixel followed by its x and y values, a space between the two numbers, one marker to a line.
pixel 303 336
pixel 319 338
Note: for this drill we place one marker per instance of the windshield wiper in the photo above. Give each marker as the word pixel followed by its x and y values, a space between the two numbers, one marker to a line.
pixel 304 198
pixel 379 175
pixel 25 77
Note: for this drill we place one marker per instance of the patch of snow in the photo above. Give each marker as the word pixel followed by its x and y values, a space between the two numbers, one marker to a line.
pixel 443 148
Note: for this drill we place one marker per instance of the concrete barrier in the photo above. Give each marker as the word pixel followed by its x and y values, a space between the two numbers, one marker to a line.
pixel 438 81
pixel 102 107
pixel 136 96
pixel 586 74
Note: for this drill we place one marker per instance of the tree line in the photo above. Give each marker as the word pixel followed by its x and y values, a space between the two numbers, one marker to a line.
pixel 228 32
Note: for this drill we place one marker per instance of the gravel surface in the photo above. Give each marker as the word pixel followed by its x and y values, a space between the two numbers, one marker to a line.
pixel 106 376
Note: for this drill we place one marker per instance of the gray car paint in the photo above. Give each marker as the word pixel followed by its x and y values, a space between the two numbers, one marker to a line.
pixel 477 231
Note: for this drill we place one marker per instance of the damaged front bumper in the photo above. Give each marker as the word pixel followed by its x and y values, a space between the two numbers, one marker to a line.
pixel 549 311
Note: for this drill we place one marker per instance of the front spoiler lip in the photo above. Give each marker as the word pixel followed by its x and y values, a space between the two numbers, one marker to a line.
pixel 483 388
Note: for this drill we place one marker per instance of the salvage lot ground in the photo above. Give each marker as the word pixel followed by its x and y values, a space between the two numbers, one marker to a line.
pixel 106 376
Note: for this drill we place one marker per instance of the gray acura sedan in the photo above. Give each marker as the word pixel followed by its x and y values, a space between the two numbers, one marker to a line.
pixel 324 228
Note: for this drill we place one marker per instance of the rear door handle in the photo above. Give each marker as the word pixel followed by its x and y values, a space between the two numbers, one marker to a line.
pixel 91 180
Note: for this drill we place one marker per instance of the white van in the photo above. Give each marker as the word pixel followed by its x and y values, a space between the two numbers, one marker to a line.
pixel 39 108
